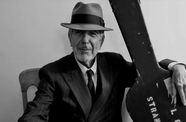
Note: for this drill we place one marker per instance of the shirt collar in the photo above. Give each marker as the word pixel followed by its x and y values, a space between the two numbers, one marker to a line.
pixel 84 69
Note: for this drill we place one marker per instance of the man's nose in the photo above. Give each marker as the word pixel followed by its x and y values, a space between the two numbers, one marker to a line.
pixel 85 38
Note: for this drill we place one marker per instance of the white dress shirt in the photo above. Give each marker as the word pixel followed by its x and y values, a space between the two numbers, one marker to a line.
pixel 84 70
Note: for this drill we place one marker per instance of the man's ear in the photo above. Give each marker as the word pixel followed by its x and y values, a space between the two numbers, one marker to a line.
pixel 69 33
pixel 103 38
pixel 70 36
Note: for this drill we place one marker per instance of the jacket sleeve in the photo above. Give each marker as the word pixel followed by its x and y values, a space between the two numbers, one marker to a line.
pixel 166 62
pixel 38 109
pixel 163 63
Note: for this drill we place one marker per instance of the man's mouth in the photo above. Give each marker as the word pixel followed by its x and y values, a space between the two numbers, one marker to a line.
pixel 84 49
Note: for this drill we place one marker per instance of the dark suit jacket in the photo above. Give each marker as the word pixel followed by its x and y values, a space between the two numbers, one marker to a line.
pixel 63 96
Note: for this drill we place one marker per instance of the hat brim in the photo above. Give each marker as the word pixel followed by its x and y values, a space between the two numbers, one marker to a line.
pixel 85 27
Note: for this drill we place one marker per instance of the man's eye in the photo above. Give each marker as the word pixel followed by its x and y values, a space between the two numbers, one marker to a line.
pixel 93 33
pixel 78 31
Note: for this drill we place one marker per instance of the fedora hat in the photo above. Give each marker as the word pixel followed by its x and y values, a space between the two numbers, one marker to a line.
pixel 87 17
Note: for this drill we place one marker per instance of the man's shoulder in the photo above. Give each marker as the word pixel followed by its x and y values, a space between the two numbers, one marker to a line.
pixel 60 64
pixel 111 58
pixel 110 55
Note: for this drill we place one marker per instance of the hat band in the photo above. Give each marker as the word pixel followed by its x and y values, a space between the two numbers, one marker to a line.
pixel 87 19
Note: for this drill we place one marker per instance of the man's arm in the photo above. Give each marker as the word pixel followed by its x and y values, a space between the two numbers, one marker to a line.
pixel 38 109
pixel 178 79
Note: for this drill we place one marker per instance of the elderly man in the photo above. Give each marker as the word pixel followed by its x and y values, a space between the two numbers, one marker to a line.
pixel 85 86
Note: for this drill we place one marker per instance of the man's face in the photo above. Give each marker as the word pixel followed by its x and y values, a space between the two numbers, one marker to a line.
pixel 86 44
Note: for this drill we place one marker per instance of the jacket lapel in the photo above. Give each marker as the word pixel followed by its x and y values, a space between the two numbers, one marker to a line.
pixel 77 85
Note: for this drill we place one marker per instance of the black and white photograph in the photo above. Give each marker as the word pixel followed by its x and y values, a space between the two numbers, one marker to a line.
pixel 92 61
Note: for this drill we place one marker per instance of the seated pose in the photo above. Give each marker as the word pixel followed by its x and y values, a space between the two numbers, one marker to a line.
pixel 87 86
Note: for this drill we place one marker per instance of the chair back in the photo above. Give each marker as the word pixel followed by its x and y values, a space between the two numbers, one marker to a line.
pixel 28 78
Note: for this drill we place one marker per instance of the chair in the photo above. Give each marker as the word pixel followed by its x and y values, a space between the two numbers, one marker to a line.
pixel 28 78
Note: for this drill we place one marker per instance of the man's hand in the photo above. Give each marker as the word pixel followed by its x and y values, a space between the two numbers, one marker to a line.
pixel 178 81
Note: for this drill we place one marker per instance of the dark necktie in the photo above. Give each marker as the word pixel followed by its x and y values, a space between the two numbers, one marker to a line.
pixel 90 74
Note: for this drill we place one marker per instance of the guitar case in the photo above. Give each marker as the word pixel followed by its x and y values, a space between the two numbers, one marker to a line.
pixel 147 100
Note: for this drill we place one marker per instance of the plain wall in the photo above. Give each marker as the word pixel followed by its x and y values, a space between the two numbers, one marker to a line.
pixel 31 36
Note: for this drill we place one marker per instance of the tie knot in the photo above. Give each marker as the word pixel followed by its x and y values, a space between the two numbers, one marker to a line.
pixel 90 73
